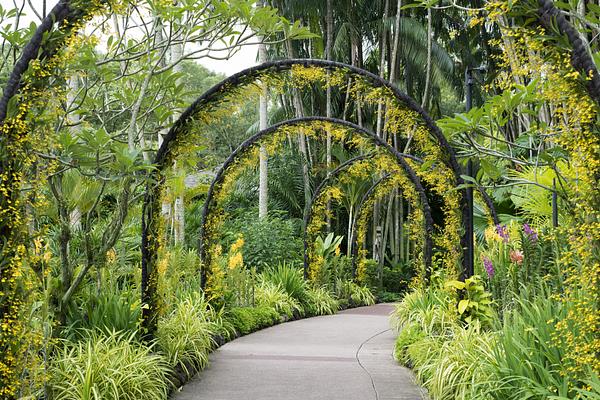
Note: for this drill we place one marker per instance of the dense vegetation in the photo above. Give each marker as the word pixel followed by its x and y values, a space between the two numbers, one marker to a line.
pixel 80 130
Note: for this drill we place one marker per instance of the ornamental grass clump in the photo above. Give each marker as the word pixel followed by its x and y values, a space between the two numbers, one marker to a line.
pixel 272 295
pixel 185 336
pixel 113 366
pixel 528 363
pixel 290 279
pixel 353 295
pixel 321 302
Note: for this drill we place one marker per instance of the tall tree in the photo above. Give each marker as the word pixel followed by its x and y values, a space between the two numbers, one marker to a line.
pixel 263 196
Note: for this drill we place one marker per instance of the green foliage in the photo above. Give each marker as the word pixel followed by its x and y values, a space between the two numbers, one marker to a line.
pixel 108 367
pixel 327 247
pixel 112 310
pixel 185 336
pixel 289 279
pixel 409 334
pixel 528 364
pixel 351 294
pixel 460 368
pixel 320 302
pixel 249 319
pixel 272 295
pixel 475 302
pixel 267 241
pixel 430 308
pixel 180 276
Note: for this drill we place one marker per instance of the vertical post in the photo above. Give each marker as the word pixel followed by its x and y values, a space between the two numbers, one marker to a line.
pixel 468 89
pixel 554 204
pixel 469 229
pixel 469 262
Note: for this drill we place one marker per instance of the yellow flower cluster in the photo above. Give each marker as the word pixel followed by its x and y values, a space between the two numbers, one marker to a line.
pixel 530 54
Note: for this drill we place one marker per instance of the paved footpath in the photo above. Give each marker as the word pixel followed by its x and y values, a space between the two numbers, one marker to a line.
pixel 347 356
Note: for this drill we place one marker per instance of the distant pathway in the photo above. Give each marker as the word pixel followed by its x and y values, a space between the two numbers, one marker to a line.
pixel 347 356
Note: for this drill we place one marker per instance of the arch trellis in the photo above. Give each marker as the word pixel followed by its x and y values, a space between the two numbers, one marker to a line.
pixel 342 169
pixel 51 36
pixel 299 123
pixel 215 97
pixel 360 209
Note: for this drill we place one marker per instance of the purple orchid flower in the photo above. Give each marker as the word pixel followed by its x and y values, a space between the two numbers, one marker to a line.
pixel 530 233
pixel 503 232
pixel 489 267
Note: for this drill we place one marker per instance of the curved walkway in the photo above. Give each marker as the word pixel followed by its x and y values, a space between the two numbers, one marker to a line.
pixel 347 356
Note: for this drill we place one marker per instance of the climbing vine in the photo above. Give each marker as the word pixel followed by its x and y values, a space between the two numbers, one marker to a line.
pixel 26 124
pixel 561 81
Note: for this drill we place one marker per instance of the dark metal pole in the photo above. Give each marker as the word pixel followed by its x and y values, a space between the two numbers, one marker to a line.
pixel 554 204
pixel 469 263
pixel 470 231
pixel 469 89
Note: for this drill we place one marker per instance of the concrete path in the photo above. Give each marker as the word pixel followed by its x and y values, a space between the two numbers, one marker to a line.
pixel 347 356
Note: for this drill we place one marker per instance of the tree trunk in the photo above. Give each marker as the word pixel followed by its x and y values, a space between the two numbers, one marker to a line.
pixel 262 111
pixel 179 205
pixel 328 44
pixel 425 101
pixel 380 114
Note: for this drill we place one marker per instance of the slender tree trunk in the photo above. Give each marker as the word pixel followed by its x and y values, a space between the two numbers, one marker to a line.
pixel 427 89
pixel 395 238
pixel 302 145
pixel 328 45
pixel 380 118
pixel 179 205
pixel 262 111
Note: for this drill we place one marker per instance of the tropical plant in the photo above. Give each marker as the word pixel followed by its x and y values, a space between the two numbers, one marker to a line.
pixel 113 366
pixel 352 294
pixel 186 335
pixel 272 295
pixel 320 302
pixel 475 302
pixel 267 241
pixel 111 310
pixel 290 279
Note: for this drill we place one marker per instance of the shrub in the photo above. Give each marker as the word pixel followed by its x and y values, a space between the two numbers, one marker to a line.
pixel 321 302
pixel 352 294
pixel 268 241
pixel 271 295
pixel 185 336
pixel 289 279
pixel 108 367
pixel 249 319
pixel 475 302
pixel 112 310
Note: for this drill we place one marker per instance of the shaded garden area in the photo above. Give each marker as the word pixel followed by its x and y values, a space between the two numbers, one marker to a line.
pixel 152 210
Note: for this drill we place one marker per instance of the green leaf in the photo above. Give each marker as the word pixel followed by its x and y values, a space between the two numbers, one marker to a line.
pixel 490 169
pixel 455 284
pixel 462 306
